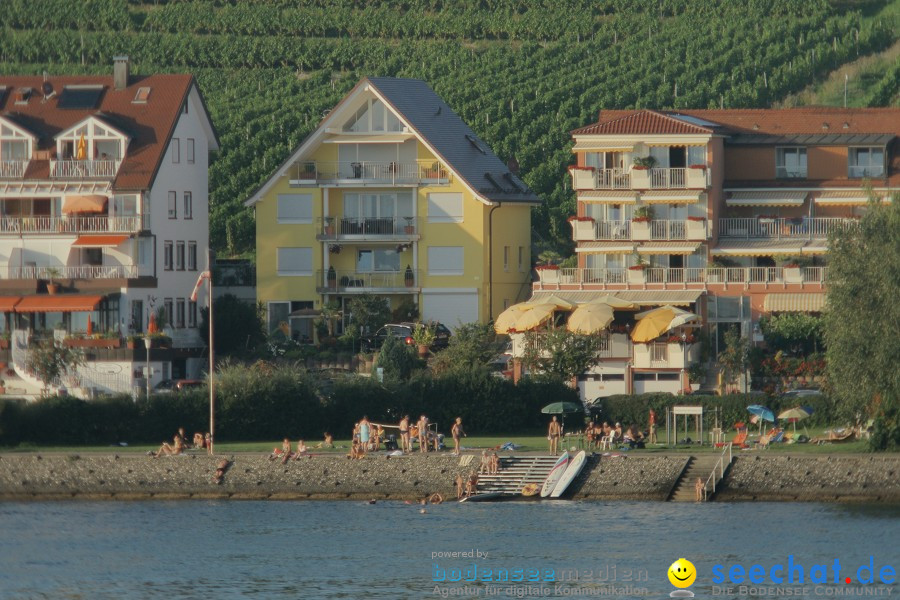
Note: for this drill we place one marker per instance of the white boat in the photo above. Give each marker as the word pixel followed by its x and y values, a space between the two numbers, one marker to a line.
pixel 555 474
pixel 572 471
pixel 482 497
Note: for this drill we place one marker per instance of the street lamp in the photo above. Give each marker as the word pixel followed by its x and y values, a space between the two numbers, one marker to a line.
pixel 147 343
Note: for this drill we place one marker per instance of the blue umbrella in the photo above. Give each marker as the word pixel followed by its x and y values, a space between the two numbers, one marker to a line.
pixel 764 414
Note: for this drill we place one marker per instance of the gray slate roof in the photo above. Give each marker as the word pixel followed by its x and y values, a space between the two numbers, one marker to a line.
pixel 454 141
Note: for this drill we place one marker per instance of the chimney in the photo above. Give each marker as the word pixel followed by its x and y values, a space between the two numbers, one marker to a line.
pixel 513 165
pixel 120 72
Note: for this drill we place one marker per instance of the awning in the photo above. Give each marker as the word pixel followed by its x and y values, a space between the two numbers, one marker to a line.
pixel 601 146
pixel 757 247
pixel 608 196
pixel 785 198
pixel 816 247
pixel 642 297
pixel 671 197
pixel 99 241
pixel 58 303
pixel 668 247
pixel 848 198
pixel 605 248
pixel 794 303
pixel 92 203
pixel 383 138
pixel 7 303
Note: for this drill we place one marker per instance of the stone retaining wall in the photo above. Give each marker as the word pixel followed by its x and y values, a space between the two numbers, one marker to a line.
pixel 252 476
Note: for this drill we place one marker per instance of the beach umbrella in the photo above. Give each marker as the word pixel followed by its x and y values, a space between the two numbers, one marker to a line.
pixel 589 318
pixel 764 414
pixel 81 148
pixel 535 317
pixel 562 408
pixel 507 319
pixel 795 414
pixel 151 327
pixel 679 320
pixel 556 301
pixel 616 303
pixel 652 324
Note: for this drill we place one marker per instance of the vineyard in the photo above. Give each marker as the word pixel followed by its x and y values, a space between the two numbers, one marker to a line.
pixel 522 73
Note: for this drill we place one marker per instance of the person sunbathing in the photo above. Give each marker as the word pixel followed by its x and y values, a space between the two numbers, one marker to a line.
pixel 284 453
pixel 176 448
pixel 301 449
pixel 198 440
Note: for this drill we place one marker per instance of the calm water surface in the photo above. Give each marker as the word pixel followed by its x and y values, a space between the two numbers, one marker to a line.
pixel 196 549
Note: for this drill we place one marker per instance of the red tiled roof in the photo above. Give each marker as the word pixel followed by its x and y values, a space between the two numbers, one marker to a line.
pixel 805 120
pixel 149 125
pixel 641 121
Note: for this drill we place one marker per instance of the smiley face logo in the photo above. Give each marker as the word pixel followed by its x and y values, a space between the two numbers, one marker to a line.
pixel 682 573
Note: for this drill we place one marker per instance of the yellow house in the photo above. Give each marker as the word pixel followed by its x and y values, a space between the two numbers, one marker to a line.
pixel 392 195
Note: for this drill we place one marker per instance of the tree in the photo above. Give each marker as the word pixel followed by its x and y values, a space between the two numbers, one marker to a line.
pixel 368 313
pixel 735 359
pixel 50 361
pixel 238 325
pixel 560 354
pixel 472 346
pixel 798 333
pixel 397 359
pixel 862 324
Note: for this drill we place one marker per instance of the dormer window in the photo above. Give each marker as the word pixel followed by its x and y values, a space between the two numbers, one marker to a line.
pixel 373 116
pixel 142 95
pixel 790 163
pixel 23 94
pixel 16 147
pixel 866 162
pixel 100 142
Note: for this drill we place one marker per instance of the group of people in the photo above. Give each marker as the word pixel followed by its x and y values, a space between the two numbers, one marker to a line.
pixel 180 444
pixel 467 486
pixel 490 463
pixel 606 436
pixel 285 453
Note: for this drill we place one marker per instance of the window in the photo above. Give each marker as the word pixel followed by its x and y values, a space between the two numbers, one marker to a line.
pixel 173 205
pixel 192 256
pixel 445 208
pixel 696 155
pixel 295 208
pixel 176 151
pixel 521 259
pixel 145 250
pixel 506 258
pixel 294 262
pixel 445 260
pixel 866 162
pixel 368 261
pixel 188 205
pixel 192 314
pixel 142 95
pixel 179 256
pixel 179 313
pixel 790 163
pixel 190 151
pixel 167 256
pixel 278 314
pixel 168 313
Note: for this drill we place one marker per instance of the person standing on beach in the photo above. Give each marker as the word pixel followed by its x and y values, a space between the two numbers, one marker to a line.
pixel 423 433
pixel 405 442
pixel 364 433
pixel 458 432
pixel 553 435
pixel 651 439
pixel 698 490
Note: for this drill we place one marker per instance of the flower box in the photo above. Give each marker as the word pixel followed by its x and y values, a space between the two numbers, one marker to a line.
pixel 636 274
pixel 583 178
pixel 640 228
pixel 93 343
pixel 703 167
pixel 793 274
pixel 695 228
pixel 582 228
pixel 640 178
pixel 697 177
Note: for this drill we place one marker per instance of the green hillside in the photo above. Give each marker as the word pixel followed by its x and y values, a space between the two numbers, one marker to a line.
pixel 521 72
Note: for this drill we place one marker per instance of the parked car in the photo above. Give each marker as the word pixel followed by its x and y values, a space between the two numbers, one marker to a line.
pixel 169 386
pixel 404 332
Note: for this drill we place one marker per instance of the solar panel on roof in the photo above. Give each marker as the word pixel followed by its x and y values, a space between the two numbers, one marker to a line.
pixel 695 120
pixel 82 98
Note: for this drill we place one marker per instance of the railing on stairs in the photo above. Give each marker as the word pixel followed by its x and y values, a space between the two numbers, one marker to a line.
pixel 720 465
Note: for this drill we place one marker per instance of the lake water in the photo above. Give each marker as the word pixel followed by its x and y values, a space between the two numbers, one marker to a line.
pixel 212 550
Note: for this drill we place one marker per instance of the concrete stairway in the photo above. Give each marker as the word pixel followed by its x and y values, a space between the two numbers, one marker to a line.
pixel 698 466
pixel 515 472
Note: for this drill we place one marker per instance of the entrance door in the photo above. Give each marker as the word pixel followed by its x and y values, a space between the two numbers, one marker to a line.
pixel 137 316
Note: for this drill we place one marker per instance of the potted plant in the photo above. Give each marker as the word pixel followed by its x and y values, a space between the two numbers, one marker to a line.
pixel 4 340
pixel 641 222
pixel 133 340
pixel 583 178
pixel 643 163
pixel 329 225
pixel 332 277
pixel 409 229
pixel 52 286
pixel 696 374
pixel 423 337
pixel 408 277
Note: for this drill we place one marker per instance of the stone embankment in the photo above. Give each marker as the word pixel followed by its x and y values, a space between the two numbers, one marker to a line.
pixel 325 477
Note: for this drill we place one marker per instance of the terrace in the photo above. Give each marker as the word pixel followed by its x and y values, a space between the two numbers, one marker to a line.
pixel 70 224
pixel 354 282
pixel 812 278
pixel 781 228
pixel 307 173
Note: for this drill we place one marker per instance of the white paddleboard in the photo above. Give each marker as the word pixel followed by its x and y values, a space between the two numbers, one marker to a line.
pixel 572 471
pixel 553 478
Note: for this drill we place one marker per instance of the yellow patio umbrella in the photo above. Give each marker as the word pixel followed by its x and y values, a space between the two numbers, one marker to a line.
pixel 81 148
pixel 507 319
pixel 651 324
pixel 558 302
pixel 534 318
pixel 613 301
pixel 590 318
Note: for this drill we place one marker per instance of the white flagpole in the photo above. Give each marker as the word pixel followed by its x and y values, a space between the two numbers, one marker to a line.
pixel 212 360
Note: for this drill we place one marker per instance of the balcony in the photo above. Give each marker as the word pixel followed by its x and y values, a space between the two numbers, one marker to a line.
pixel 84 169
pixel 657 230
pixel 860 171
pixel 74 272
pixel 681 279
pixel 368 173
pixel 615 345
pixel 664 355
pixel 383 282
pixel 70 225
pixel 780 228
pixel 589 178
pixel 368 228
pixel 13 169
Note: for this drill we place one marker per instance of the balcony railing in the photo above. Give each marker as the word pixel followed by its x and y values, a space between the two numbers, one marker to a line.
pixel 362 228
pixel 10 169
pixel 668 178
pixel 802 228
pixel 857 171
pixel 82 169
pixel 379 281
pixel 75 272
pixel 790 172
pixel 678 278
pixel 70 224
pixel 659 229
pixel 353 173
pixel 616 345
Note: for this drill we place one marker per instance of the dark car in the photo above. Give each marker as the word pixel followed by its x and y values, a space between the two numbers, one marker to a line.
pixel 404 332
